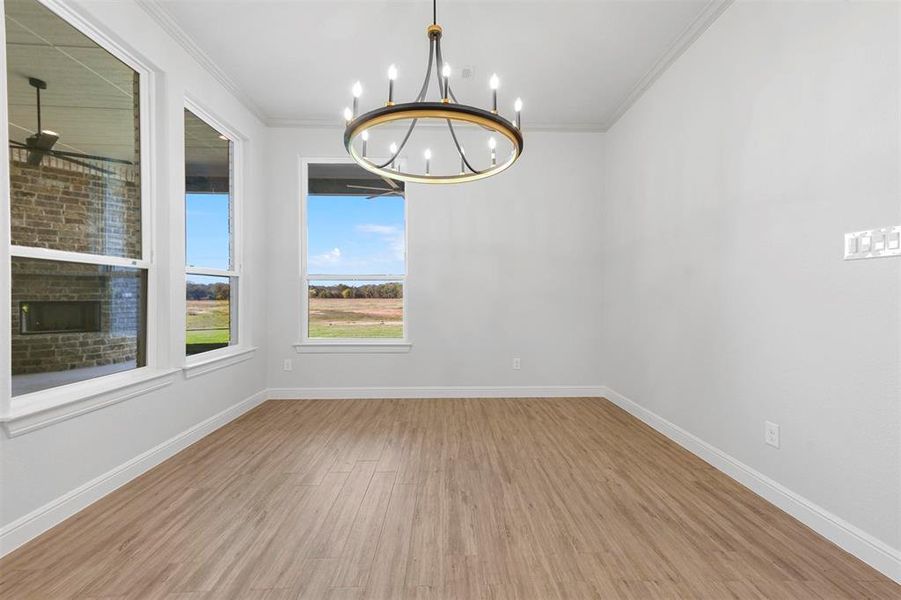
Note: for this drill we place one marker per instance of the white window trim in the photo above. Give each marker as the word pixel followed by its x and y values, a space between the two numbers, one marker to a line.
pixel 46 407
pixel 26 412
pixel 308 345
pixel 205 362
pixel 217 359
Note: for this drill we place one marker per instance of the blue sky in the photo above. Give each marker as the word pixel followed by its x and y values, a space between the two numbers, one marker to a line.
pixel 206 224
pixel 353 235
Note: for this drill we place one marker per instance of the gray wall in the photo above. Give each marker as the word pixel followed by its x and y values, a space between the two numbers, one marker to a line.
pixel 726 299
pixel 498 268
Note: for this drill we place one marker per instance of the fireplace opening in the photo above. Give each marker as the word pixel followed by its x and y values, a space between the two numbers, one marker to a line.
pixel 59 316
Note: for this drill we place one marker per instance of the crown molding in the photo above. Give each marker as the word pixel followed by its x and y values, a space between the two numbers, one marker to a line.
pixel 704 19
pixel 683 41
pixel 159 13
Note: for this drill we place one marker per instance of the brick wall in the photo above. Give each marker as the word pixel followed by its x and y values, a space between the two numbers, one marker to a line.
pixel 64 206
pixel 67 207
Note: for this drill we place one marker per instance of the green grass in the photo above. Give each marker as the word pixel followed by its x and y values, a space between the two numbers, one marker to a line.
pixel 207 336
pixel 356 318
pixel 208 322
pixel 324 330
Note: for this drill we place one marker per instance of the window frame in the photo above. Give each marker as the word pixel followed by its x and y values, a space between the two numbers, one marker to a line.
pixel 95 390
pixel 341 345
pixel 238 320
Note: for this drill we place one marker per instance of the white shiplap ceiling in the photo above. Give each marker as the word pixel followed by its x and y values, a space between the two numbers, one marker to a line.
pixel 576 64
pixel 89 100
pixel 90 97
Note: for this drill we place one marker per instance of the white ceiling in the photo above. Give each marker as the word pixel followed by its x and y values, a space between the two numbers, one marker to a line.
pixel 576 64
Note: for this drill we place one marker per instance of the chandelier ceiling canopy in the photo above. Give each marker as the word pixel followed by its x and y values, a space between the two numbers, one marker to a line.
pixel 480 142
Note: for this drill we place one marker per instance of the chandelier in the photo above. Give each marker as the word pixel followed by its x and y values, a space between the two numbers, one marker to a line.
pixel 487 134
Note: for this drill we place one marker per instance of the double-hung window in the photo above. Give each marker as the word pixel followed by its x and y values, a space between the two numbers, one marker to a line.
pixel 354 266
pixel 212 271
pixel 79 241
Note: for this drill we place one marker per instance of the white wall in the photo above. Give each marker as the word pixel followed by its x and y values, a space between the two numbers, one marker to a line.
pixel 726 299
pixel 41 466
pixel 497 268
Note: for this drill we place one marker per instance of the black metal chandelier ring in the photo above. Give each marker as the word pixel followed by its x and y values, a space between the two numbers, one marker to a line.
pixel 414 111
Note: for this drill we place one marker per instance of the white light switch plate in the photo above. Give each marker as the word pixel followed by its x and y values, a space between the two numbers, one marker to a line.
pixel 873 243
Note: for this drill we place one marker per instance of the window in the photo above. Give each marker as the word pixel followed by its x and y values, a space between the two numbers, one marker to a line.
pixel 79 258
pixel 211 273
pixel 354 266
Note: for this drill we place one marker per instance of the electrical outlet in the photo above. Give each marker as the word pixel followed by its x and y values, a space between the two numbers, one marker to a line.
pixel 516 364
pixel 288 365
pixel 771 434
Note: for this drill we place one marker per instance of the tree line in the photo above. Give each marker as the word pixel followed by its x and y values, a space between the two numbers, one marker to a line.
pixel 208 291
pixel 369 290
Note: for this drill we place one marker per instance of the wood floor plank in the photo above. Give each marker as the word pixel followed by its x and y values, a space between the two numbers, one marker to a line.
pixel 362 541
pixel 389 568
pixel 331 537
pixel 535 499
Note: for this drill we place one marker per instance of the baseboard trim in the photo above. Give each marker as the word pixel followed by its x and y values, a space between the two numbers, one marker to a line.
pixel 850 538
pixel 35 523
pixel 323 393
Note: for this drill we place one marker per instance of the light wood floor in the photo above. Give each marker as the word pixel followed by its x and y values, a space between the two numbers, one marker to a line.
pixel 394 499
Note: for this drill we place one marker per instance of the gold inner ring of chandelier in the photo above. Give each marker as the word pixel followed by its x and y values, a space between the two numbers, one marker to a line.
pixel 455 113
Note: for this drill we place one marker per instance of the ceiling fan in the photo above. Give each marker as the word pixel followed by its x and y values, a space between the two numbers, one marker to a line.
pixel 392 190
pixel 41 143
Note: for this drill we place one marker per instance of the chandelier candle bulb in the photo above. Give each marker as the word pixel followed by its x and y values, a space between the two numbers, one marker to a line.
pixel 428 160
pixel 392 75
pixel 445 74
pixel 492 143
pixel 494 83
pixel 393 150
pixel 357 91
pixel 365 136
pixel 517 108
pixel 348 114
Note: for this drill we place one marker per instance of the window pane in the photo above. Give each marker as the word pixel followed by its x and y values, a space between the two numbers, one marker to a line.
pixel 74 169
pixel 206 224
pixel 207 195
pixel 356 309
pixel 355 235
pixel 72 322
pixel 210 320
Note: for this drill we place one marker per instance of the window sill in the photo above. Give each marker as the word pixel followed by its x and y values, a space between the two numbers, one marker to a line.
pixel 375 347
pixel 213 360
pixel 46 407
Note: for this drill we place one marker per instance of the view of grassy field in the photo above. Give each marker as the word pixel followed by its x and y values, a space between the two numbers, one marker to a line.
pixel 208 322
pixel 356 318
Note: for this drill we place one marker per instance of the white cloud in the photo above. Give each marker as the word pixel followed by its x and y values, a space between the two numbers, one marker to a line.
pixel 392 235
pixel 326 258
pixel 379 229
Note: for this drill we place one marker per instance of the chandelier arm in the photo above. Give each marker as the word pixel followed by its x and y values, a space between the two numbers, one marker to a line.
pixel 428 73
pixel 459 149
pixel 401 146
pixel 419 98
